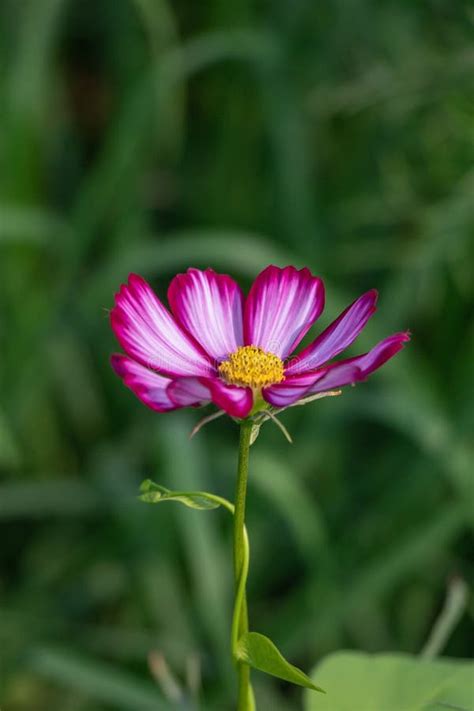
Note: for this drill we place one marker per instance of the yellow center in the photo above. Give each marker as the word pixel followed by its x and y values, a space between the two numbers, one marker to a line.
pixel 252 367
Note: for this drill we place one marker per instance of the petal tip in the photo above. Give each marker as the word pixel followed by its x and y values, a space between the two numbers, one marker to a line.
pixel 134 278
pixel 282 305
pixel 400 338
pixel 117 363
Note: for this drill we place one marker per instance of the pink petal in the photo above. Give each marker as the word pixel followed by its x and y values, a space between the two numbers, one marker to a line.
pixel 281 307
pixel 189 392
pixel 210 307
pixel 148 332
pixel 379 354
pixel 336 375
pixel 236 401
pixel 352 370
pixel 147 385
pixel 337 337
pixel 296 387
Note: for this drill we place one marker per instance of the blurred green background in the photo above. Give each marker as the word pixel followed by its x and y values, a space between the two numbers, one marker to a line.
pixel 150 136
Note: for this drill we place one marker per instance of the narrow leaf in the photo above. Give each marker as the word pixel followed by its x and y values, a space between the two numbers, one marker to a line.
pixel 279 424
pixel 260 653
pixel 254 433
pixel 100 682
pixel 152 493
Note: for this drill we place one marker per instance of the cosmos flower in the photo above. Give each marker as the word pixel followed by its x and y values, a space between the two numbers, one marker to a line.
pixel 218 346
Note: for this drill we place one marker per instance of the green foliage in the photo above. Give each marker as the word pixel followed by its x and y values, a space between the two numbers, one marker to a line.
pixel 97 680
pixel 260 653
pixel 392 682
pixel 152 136
pixel 253 648
pixel 152 493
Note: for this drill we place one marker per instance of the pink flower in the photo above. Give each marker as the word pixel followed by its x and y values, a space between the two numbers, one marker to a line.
pixel 218 346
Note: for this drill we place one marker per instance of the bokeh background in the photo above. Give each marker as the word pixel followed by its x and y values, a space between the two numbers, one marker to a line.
pixel 150 136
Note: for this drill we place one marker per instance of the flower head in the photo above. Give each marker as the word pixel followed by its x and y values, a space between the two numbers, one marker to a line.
pixel 218 346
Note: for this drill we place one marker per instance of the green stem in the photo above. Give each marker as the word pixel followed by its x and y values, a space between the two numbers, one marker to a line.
pixel 241 563
pixel 240 603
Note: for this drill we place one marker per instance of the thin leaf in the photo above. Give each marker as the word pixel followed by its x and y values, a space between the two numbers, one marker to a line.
pixel 99 681
pixel 269 414
pixel 152 493
pixel 260 653
pixel 205 421
pixel 255 432
pixel 454 606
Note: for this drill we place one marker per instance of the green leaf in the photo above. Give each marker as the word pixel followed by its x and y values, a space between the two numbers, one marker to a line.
pixel 153 493
pixel 260 653
pixel 392 682
pixel 254 433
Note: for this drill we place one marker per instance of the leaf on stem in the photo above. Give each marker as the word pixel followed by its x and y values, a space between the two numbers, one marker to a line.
pixel 152 493
pixel 260 653
pixel 255 432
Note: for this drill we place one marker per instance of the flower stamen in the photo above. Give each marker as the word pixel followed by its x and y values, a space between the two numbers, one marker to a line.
pixel 251 366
